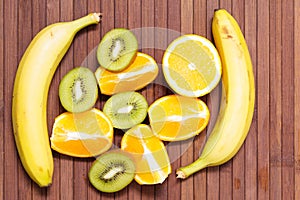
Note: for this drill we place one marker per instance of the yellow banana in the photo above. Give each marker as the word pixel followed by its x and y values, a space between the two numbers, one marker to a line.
pixel 29 104
pixel 238 96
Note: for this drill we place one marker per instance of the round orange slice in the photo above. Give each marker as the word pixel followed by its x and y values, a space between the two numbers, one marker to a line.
pixel 191 65
pixel 175 117
pixel 149 153
pixel 140 73
pixel 83 134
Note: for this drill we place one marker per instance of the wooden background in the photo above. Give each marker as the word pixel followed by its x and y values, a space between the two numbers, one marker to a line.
pixel 268 164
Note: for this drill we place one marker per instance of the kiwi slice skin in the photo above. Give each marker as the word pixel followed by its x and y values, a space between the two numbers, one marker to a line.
pixel 112 171
pixel 117 49
pixel 126 109
pixel 78 90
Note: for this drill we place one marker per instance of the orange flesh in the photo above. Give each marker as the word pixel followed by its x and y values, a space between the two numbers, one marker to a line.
pixel 140 73
pixel 149 153
pixel 177 118
pixel 82 134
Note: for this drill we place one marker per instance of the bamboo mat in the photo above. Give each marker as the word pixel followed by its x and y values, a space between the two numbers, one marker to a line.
pixel 266 167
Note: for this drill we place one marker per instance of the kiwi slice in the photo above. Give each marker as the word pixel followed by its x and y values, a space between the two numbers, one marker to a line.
pixel 117 49
pixel 126 109
pixel 78 90
pixel 112 171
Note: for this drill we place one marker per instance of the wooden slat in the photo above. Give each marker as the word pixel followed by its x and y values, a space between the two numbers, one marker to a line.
pixel 251 140
pixel 187 150
pixel 173 148
pixel 287 169
pixel 297 99
pixel 200 24
pixel 147 44
pixel 24 36
pixel 263 88
pixel 160 43
pixel 2 80
pixel 275 100
pixel 11 61
pixel 213 173
pixel 80 169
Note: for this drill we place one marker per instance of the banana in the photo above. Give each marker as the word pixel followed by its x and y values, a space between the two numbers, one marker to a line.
pixel 31 86
pixel 238 96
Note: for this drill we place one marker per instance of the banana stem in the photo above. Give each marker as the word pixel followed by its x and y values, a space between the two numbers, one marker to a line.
pixel 92 18
pixel 186 171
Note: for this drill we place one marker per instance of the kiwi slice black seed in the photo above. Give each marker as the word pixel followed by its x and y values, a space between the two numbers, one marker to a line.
pixel 126 109
pixel 112 171
pixel 117 49
pixel 78 90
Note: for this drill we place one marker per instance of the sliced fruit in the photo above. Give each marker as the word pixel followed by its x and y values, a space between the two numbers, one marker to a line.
pixel 126 109
pixel 191 65
pixel 112 171
pixel 175 117
pixel 78 90
pixel 117 49
pixel 149 153
pixel 83 134
pixel 140 73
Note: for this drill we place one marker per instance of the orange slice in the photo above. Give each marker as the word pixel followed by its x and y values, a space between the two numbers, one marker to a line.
pixel 191 65
pixel 149 153
pixel 83 134
pixel 175 117
pixel 140 73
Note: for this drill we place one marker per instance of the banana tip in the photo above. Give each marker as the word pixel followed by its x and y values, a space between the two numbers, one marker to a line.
pixel 180 175
pixel 97 16
pixel 218 9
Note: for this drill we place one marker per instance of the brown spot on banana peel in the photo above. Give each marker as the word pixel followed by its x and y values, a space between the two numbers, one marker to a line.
pixel 226 33
pixel 224 30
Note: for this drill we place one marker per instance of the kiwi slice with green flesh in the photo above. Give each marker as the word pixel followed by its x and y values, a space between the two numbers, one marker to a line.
pixel 117 49
pixel 112 171
pixel 126 109
pixel 78 90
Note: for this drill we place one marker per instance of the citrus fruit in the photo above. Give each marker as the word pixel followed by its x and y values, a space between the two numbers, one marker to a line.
pixel 83 134
pixel 175 117
pixel 140 73
pixel 149 154
pixel 191 65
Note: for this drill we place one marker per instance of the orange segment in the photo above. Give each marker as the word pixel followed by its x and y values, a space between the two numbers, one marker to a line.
pixel 140 73
pixel 192 66
pixel 84 134
pixel 149 153
pixel 175 117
